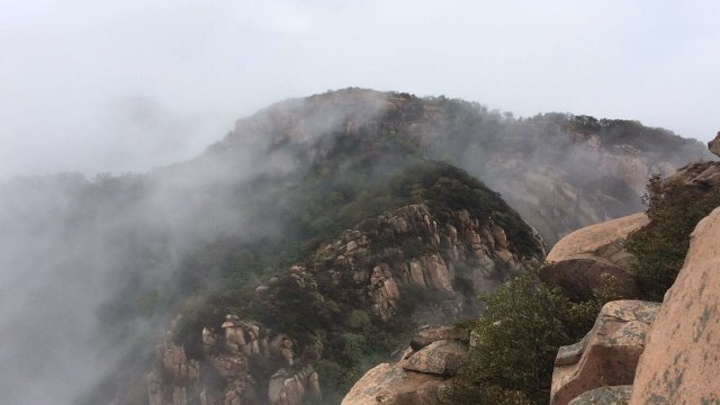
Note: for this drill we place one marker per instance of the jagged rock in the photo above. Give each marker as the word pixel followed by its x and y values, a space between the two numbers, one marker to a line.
pixel 289 388
pixel 617 395
pixel 173 376
pixel 607 355
pixel 681 360
pixel 714 145
pixel 442 357
pixel 283 346
pixel 243 337
pixel 578 261
pixel 388 384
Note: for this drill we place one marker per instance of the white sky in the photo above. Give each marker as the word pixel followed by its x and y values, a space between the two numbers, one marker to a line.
pixel 124 85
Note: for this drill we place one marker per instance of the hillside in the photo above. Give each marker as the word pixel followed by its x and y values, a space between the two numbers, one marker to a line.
pixel 559 171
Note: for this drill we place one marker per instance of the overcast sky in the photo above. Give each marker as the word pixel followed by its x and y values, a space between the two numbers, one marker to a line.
pixel 93 86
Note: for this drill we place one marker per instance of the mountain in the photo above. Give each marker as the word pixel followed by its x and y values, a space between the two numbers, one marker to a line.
pixel 560 171
pixel 319 232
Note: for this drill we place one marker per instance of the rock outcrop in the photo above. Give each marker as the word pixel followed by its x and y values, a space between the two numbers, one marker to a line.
pixel 579 261
pixel 698 177
pixel 417 377
pixel 369 269
pixel 372 266
pixel 681 359
pixel 225 374
pixel 714 145
pixel 609 353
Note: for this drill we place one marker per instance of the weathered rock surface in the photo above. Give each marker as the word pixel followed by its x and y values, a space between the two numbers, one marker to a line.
pixel 714 145
pixel 617 395
pixel 682 356
pixel 578 261
pixel 607 355
pixel 418 376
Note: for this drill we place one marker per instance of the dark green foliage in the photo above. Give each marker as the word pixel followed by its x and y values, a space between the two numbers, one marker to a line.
pixel 517 337
pixel 674 210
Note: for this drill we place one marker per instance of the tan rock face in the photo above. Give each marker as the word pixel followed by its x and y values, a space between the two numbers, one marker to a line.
pixel 617 395
pixel 608 354
pixel 578 262
pixel 714 145
pixel 682 356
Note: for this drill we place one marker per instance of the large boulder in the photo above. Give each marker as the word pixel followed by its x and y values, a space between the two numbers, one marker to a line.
pixel 579 261
pixel 607 355
pixel 430 363
pixel 681 360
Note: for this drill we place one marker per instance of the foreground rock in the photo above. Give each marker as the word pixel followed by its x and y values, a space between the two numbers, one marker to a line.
pixel 579 261
pixel 417 378
pixel 681 361
pixel 607 355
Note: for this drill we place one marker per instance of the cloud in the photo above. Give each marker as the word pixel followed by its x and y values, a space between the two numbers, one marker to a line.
pixel 65 62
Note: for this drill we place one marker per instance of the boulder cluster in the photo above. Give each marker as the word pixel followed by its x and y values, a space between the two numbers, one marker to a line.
pixel 642 352
pixel 430 363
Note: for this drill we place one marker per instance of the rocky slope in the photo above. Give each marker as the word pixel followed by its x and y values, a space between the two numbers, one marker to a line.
pixel 412 265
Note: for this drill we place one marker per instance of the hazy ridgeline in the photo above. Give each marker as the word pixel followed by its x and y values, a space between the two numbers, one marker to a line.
pixel 92 270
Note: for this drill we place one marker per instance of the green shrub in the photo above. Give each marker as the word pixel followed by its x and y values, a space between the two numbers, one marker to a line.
pixel 517 339
pixel 674 209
